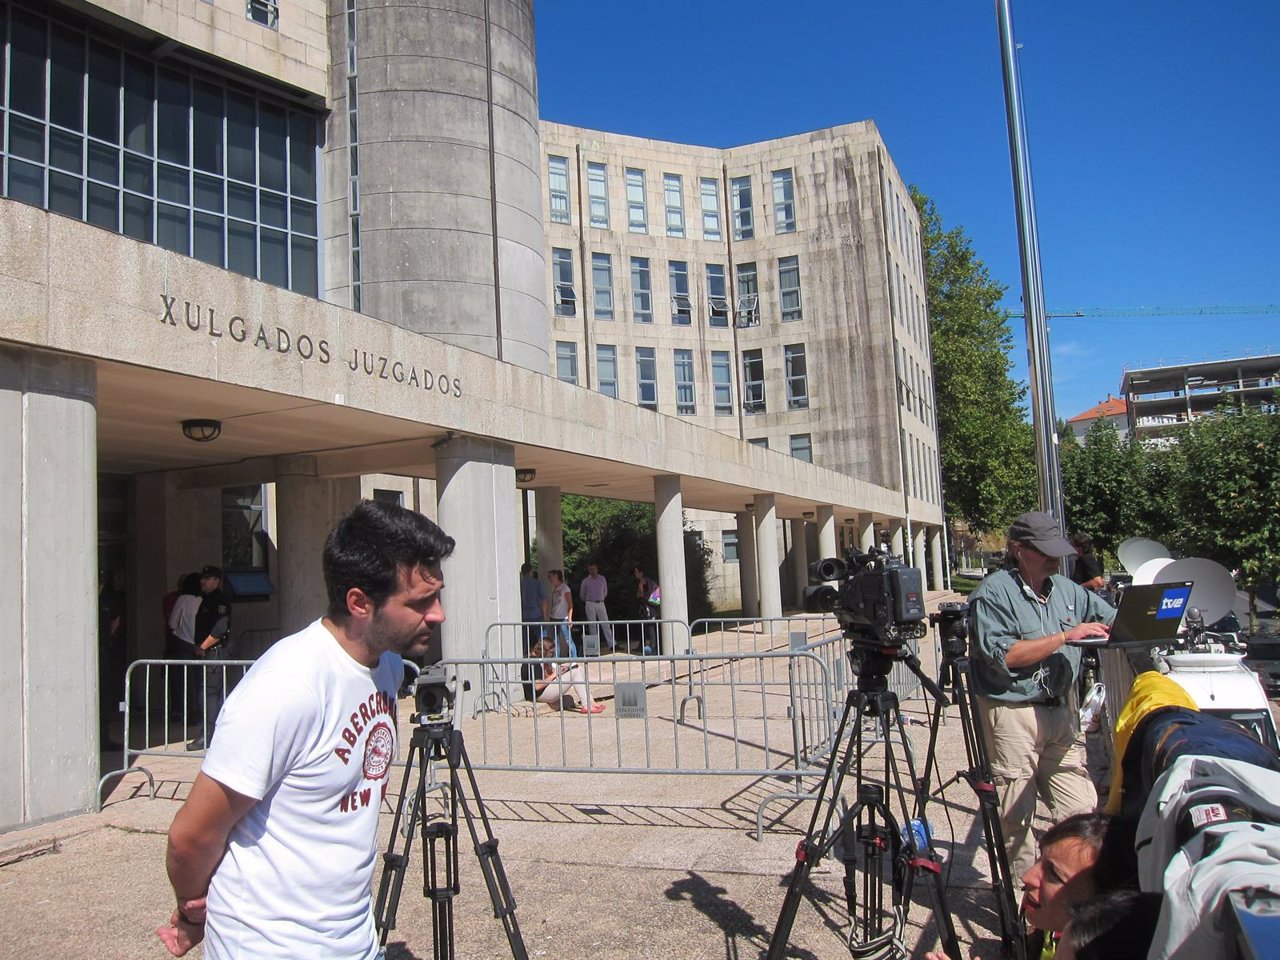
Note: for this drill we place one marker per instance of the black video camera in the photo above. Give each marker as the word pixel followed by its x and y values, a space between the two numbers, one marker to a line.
pixel 878 600
pixel 433 695
pixel 952 623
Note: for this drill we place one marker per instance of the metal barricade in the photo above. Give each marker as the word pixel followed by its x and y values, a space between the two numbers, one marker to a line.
pixel 165 702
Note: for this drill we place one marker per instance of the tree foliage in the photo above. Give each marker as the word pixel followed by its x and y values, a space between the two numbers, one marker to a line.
pixel 986 446
pixel 1099 480
pixel 617 535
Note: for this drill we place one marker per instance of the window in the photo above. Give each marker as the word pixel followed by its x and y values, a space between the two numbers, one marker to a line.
pixel 729 546
pixel 562 276
pixel 558 187
pixel 673 195
pixel 681 305
pixel 802 447
pixel 641 291
pixel 166 154
pixel 598 195
pixel 393 497
pixel 710 190
pixel 244 541
pixel 717 296
pixel 607 369
pixel 740 195
pixel 759 442
pixel 753 381
pixel 797 377
pixel 748 312
pixel 722 383
pixel 685 400
pixel 602 285
pixel 567 361
pixel 265 12
pixel 637 212
pixel 646 378
pixel 789 287
pixel 784 202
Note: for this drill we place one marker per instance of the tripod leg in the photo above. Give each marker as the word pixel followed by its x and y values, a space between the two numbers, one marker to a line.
pixel 440 881
pixel 396 861
pixel 815 843
pixel 495 876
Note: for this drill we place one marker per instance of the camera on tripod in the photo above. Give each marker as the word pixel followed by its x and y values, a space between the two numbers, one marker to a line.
pixel 952 623
pixel 878 599
pixel 433 696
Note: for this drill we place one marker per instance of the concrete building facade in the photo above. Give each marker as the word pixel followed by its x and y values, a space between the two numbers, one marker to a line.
pixel 1163 399
pixel 259 261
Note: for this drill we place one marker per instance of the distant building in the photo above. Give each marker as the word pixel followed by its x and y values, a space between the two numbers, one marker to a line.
pixel 1113 409
pixel 1161 399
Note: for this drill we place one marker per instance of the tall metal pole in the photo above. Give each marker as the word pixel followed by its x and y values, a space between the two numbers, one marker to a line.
pixel 1043 419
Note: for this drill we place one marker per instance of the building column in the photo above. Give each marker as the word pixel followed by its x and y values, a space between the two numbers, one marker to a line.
pixel 936 579
pixel 668 504
pixel 897 540
pixel 799 560
pixel 548 531
pixel 826 521
pixel 747 565
pixel 866 532
pixel 307 506
pixel 767 557
pixel 49 668
pixel 475 478
pixel 917 550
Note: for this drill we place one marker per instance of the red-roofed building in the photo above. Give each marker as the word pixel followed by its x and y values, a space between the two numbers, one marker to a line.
pixel 1113 409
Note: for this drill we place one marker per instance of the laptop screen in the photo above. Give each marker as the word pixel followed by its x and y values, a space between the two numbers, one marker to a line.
pixel 1151 612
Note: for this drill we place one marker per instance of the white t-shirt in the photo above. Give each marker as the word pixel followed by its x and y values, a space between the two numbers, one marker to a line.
pixel 560 602
pixel 182 619
pixel 311 734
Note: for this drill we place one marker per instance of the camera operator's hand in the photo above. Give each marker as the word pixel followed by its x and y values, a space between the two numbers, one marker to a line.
pixel 185 929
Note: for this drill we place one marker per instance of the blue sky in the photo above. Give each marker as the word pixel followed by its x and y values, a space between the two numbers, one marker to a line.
pixel 1154 132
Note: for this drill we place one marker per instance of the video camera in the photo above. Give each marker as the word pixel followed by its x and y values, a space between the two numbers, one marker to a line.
pixel 433 696
pixel 952 623
pixel 878 600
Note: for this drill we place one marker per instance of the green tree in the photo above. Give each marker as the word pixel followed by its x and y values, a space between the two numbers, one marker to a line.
pixel 986 446
pixel 1225 472
pixel 617 534
pixel 1102 484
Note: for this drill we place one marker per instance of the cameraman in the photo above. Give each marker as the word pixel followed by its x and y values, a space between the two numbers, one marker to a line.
pixel 273 851
pixel 1024 616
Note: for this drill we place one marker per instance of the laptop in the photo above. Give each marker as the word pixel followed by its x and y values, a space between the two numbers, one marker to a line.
pixel 1150 613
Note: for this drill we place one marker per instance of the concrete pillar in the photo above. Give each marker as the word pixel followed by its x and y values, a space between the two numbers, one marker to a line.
pixel 936 579
pixel 306 508
pixel 549 532
pixel 799 560
pixel 669 511
pixel 917 550
pixel 866 532
pixel 897 542
pixel 747 564
pixel 48 587
pixel 152 576
pixel 767 556
pixel 826 521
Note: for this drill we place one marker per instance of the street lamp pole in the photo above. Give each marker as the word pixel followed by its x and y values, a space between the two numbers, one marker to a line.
pixel 1043 419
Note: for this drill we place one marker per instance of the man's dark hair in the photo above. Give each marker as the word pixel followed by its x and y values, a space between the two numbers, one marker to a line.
pixel 525 568
pixel 1087 827
pixel 191 584
pixel 368 547
pixel 1121 923
pixel 1083 541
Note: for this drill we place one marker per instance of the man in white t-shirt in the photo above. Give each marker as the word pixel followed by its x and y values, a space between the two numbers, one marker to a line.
pixel 272 854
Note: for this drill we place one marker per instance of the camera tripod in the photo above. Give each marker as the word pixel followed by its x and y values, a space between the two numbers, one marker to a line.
pixel 434 739
pixel 877 848
pixel 955 676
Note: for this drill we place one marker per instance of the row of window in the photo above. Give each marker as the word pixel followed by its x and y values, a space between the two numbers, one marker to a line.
pixel 603 305
pixel 636 193
pixel 162 154
pixel 901 230
pixel 795 376
pixel 908 308
pixel 923 472
pixel 916 394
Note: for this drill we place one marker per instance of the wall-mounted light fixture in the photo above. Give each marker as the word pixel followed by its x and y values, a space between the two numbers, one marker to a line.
pixel 808 514
pixel 202 431
pixel 525 474
pixel 750 507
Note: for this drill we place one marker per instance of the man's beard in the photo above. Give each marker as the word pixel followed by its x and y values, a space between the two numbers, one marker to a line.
pixel 380 638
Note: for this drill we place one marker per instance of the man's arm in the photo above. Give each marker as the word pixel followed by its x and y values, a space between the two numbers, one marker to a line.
pixel 197 841
pixel 1025 653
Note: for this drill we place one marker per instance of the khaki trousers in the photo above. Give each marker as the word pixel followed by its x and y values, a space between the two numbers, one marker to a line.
pixel 1035 749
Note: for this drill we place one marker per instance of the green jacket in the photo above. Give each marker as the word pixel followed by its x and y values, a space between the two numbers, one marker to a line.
pixel 1003 611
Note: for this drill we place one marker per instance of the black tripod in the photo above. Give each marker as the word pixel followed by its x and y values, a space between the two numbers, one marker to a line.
pixel 874 846
pixel 955 676
pixel 435 739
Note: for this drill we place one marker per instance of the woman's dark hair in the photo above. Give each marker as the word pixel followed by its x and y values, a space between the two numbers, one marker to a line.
pixel 1121 923
pixel 1087 827
pixel 190 584
pixel 368 547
